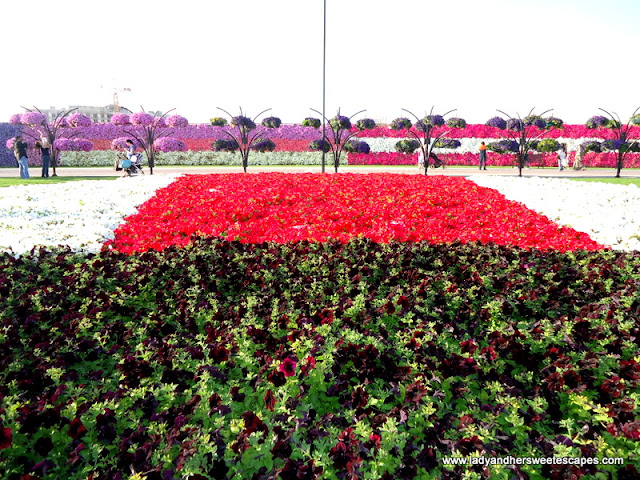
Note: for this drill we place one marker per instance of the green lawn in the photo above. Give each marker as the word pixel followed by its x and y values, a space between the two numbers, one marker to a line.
pixel 6 182
pixel 618 181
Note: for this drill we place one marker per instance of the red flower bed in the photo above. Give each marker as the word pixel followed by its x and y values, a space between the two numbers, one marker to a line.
pixel 284 145
pixel 384 207
pixel 608 160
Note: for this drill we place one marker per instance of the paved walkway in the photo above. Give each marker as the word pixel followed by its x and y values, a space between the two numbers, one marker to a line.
pixel 453 171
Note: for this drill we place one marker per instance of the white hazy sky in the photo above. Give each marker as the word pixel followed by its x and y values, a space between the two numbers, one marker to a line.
pixel 475 56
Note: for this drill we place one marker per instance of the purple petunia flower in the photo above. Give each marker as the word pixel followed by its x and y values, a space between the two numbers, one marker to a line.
pixel 170 144
pixel 33 118
pixel 141 118
pixel 79 120
pixel 120 119
pixel 497 122
pixel 177 121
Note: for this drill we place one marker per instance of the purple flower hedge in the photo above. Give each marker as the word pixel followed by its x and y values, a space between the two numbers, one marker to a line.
pixel 177 121
pixel 497 122
pixel 227 360
pixel 73 144
pixel 7 132
pixel 141 118
pixel 170 144
pixel 120 119
pixel 33 118
pixel 78 120
pixel 400 123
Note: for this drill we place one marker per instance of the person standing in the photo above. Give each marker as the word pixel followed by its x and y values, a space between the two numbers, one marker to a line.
pixel 562 157
pixel 482 157
pixel 130 149
pixel 45 150
pixel 577 161
pixel 20 149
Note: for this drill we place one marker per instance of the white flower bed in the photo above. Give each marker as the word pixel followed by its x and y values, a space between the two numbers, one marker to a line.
pixel 105 158
pixel 84 214
pixel 608 213
pixel 80 214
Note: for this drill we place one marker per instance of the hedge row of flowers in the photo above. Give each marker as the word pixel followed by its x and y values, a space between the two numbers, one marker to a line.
pixel 297 132
pixel 104 158
pixel 388 144
pixel 318 360
pixel 591 159
pixel 485 131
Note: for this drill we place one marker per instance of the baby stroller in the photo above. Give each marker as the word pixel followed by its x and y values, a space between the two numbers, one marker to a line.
pixel 131 166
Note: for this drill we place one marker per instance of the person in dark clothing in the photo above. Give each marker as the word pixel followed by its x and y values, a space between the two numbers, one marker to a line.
pixel 45 150
pixel 20 150
pixel 482 163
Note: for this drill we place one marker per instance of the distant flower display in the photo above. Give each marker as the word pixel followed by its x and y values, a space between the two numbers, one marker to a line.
pixel 497 122
pixel 243 122
pixel 177 121
pixel 407 146
pixel 160 122
pixel 319 145
pixel 365 124
pixel 433 120
pixel 263 145
pixel 615 144
pixel 120 119
pixel 311 122
pixel 73 144
pixel 224 145
pixel 535 120
pixel 503 146
pixel 455 122
pixel 355 146
pixel 340 122
pixel 33 118
pixel 515 124
pixel 591 146
pixel 218 121
pixel 170 144
pixel 141 118
pixel 546 145
pixel 271 122
pixel 61 122
pixel 400 123
pixel 554 122
pixel 79 120
pixel 597 121
pixel 447 143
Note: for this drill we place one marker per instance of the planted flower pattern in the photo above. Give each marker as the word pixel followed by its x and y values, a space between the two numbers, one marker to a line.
pixel 383 207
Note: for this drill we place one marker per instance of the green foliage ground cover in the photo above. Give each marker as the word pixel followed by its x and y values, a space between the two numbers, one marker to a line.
pixel 225 360
pixel 7 182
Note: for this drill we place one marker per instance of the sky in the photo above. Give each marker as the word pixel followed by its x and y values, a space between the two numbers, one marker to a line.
pixel 474 57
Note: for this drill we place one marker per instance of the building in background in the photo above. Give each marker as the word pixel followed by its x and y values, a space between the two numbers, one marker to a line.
pixel 96 114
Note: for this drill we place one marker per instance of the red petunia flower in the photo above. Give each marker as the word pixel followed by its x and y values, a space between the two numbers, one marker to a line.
pixel 269 400
pixel 288 367
pixel 5 437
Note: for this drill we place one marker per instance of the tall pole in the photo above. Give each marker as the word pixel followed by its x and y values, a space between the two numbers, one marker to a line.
pixel 324 61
